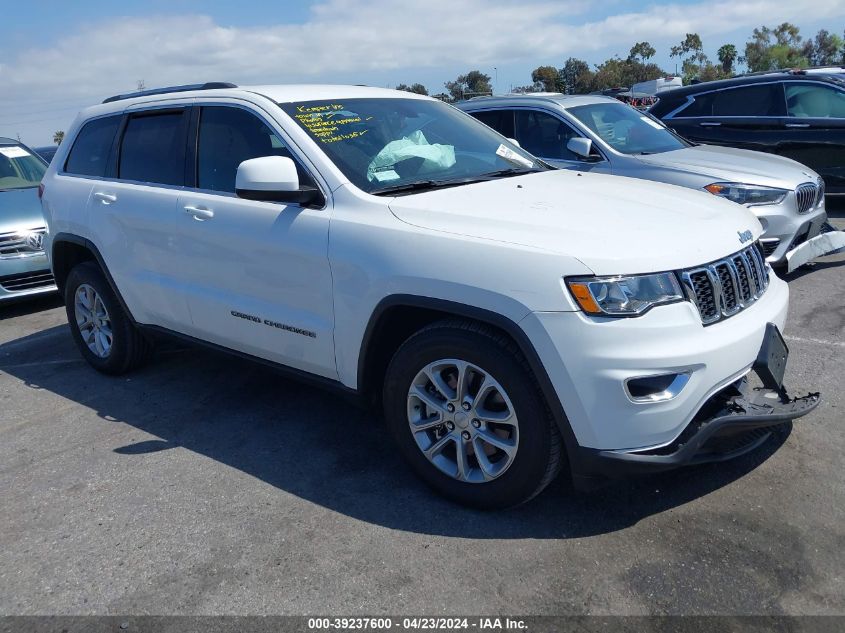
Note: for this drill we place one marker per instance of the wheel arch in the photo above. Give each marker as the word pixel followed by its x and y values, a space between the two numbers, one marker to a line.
pixel 69 250
pixel 397 317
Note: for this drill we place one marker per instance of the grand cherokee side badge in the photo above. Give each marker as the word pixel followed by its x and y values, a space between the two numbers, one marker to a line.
pixel 745 236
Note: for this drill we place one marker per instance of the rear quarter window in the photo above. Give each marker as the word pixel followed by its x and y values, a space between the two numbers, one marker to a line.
pixel 89 155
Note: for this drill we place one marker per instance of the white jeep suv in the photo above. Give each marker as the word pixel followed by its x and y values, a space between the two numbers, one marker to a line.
pixel 511 319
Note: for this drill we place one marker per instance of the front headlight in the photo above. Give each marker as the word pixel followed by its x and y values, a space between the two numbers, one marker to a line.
pixel 624 295
pixel 747 194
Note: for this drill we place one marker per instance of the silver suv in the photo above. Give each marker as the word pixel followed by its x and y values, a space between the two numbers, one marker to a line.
pixel 601 134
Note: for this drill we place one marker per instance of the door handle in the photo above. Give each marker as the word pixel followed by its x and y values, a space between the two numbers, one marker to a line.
pixel 105 198
pixel 710 124
pixel 797 124
pixel 199 213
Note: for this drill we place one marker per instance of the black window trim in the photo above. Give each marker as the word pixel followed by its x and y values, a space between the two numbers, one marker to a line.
pixel 691 97
pixel 293 149
pixel 555 113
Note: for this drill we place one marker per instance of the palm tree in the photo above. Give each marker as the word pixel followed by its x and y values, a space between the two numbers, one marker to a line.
pixel 58 137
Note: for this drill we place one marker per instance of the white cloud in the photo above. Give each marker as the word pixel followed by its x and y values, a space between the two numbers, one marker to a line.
pixel 344 39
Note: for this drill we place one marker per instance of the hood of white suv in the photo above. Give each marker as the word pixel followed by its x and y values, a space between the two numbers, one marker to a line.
pixel 613 225
pixel 734 165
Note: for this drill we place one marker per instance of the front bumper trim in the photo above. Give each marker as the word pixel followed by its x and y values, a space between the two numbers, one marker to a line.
pixel 736 416
pixel 825 243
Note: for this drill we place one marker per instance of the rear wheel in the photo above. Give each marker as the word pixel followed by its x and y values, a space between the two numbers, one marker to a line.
pixel 467 415
pixel 101 328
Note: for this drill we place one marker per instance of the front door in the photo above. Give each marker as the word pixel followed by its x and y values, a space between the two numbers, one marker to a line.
pixel 814 130
pixel 259 273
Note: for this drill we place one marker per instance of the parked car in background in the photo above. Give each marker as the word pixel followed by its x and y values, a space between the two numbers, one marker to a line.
pixel 511 319
pixel 798 115
pixel 601 134
pixel 24 269
pixel 47 152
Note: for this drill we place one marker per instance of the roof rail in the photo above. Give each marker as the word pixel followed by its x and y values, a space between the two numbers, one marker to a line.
pixel 210 85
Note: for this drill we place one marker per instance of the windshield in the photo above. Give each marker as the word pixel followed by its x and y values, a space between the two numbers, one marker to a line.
pixel 391 145
pixel 626 130
pixel 19 169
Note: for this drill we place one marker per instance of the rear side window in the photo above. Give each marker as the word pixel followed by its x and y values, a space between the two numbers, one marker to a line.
pixel 89 155
pixel 499 120
pixel 227 137
pixel 153 148
pixel 756 100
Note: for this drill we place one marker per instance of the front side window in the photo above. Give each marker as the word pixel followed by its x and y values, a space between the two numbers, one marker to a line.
pixel 627 130
pixel 19 168
pixel 227 137
pixel 544 135
pixel 90 152
pixel 814 101
pixel 389 144
pixel 153 148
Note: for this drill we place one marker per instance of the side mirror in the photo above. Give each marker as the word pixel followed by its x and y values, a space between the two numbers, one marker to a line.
pixel 273 179
pixel 515 142
pixel 583 147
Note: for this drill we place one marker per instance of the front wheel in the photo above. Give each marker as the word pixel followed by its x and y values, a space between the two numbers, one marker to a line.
pixel 467 415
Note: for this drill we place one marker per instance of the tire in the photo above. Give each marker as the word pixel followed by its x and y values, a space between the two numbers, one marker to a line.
pixel 526 454
pixel 117 346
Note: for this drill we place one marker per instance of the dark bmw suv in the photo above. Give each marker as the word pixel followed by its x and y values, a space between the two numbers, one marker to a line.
pixel 794 114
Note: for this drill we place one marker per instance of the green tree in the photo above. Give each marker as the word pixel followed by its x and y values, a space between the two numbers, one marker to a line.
pixel 473 83
pixel 642 52
pixel 826 49
pixel 548 77
pixel 58 137
pixel 416 88
pixel 773 49
pixel 576 76
pixel 691 52
pixel 612 73
pixel 727 57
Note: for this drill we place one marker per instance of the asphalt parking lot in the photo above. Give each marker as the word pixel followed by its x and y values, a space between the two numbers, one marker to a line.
pixel 206 485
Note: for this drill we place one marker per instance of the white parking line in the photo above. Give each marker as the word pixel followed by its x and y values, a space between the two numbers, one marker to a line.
pixel 817 341
pixel 43 362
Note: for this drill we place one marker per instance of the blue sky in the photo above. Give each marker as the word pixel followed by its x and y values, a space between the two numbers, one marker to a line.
pixel 57 57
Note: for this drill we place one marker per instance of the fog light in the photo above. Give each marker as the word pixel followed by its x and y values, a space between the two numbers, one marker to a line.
pixel 658 388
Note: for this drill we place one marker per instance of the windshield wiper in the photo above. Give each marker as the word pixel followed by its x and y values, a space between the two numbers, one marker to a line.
pixel 510 171
pixel 417 185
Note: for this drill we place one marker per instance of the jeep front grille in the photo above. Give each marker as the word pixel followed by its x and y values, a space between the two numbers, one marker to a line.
pixel 809 195
pixel 21 243
pixel 727 286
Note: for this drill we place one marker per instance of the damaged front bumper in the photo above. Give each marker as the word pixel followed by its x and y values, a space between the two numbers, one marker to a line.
pixel 827 242
pixel 733 422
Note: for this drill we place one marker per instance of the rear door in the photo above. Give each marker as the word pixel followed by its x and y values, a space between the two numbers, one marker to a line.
pixel 133 215
pixel 814 130
pixel 747 117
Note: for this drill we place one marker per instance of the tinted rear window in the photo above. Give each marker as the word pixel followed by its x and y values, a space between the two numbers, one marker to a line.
pixel 756 100
pixel 499 120
pixel 90 152
pixel 153 148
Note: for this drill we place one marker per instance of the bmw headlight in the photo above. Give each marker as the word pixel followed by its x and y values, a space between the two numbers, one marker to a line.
pixel 624 295
pixel 747 194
